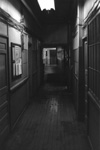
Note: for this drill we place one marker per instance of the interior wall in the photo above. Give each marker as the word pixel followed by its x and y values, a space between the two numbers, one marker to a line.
pixel 12 7
pixel 32 66
pixel 94 82
pixel 78 71
pixel 17 10
pixel 75 38
pixel 19 87
pixel 87 6
pixel 93 107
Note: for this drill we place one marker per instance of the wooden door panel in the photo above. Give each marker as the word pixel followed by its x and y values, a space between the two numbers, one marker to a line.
pixel 3 74
pixel 2 46
pixel 4 122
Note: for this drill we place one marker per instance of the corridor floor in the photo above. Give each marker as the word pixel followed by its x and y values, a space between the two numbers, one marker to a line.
pixel 49 123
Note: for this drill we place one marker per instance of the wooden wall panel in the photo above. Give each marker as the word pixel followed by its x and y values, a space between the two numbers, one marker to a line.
pixel 75 92
pixel 3 112
pixel 76 61
pixel 3 123
pixel 3 28
pixel 34 84
pixel 18 101
pixel 19 89
pixel 25 70
pixel 30 67
pixel 94 57
pixel 94 82
pixel 3 80
pixel 3 99
pixel 94 123
pixel 25 56
pixel 34 61
pixel 32 57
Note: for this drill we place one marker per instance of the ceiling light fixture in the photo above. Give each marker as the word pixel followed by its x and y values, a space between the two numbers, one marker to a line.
pixel 46 4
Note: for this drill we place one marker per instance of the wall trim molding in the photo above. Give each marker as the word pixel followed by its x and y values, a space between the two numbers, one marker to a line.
pixel 6 18
pixel 15 87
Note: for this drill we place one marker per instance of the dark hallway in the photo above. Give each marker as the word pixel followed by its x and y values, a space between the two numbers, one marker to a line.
pixel 49 75
pixel 49 123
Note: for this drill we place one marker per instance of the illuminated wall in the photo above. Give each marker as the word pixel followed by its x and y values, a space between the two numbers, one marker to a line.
pixel 14 35
pixel 87 6
pixel 78 61
pixel 12 8
pixel 15 10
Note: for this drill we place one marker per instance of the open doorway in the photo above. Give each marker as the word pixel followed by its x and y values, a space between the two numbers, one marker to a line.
pixel 49 56
pixel 54 64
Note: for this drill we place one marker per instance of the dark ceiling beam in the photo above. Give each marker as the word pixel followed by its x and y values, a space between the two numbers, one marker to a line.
pixel 31 12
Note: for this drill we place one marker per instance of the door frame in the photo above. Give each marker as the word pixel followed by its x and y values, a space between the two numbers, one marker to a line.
pixel 85 40
pixel 8 81
pixel 8 75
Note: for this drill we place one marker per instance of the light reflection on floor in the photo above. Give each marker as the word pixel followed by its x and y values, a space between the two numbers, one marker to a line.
pixel 53 106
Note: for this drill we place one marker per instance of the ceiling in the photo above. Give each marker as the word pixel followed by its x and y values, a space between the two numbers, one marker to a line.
pixel 64 12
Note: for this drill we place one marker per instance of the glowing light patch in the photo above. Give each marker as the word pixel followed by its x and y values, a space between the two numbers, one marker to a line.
pixel 10 9
pixel 46 4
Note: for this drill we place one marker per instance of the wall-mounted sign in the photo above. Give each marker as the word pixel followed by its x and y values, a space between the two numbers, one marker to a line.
pixel 16 60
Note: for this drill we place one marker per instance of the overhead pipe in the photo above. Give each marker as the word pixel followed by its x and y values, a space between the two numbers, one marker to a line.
pixel 29 9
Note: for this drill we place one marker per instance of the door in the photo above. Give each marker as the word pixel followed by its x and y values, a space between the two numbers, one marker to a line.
pixel 4 121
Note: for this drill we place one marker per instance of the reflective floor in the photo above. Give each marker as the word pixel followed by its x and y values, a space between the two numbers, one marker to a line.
pixel 49 123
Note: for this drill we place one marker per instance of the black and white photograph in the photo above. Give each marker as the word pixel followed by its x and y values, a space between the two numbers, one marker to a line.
pixel 49 74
